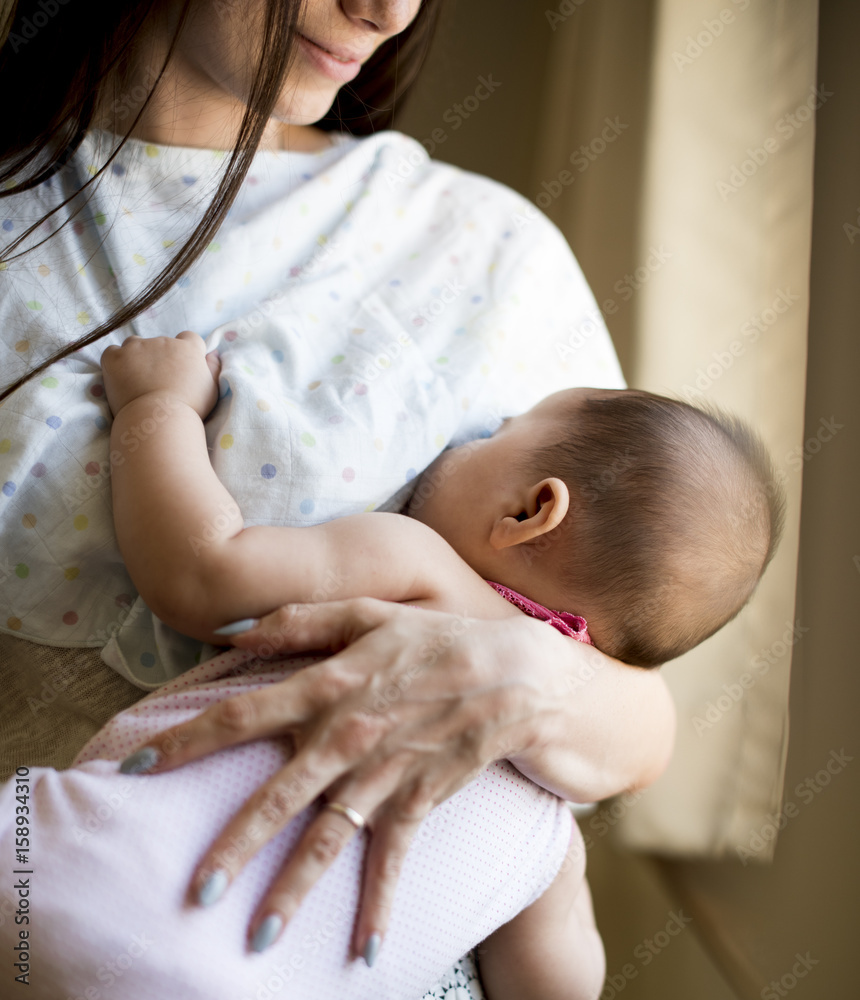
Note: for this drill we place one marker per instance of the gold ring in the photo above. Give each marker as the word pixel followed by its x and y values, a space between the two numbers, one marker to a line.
pixel 357 820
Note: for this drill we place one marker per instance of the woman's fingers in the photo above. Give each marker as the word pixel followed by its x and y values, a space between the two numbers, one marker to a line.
pixel 252 715
pixel 300 627
pixel 383 864
pixel 261 818
pixel 318 849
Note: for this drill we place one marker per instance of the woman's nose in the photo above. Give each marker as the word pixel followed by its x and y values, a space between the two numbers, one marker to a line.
pixel 388 17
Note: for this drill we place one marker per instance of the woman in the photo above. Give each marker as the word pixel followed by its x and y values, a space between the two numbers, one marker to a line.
pixel 212 75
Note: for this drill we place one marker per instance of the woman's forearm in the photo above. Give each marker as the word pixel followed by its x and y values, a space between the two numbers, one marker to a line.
pixel 600 726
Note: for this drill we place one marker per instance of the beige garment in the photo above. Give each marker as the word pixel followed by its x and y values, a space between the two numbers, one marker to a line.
pixel 53 701
pixel 691 216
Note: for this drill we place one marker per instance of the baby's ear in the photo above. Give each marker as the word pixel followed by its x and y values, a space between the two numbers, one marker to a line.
pixel 546 505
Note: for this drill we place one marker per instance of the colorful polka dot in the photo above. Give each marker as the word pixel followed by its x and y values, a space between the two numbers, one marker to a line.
pixel 122 600
pixel 9 488
pixel 442 361
pixel 22 571
pixel 44 271
pixel 101 218
pixel 360 389
pixel 71 572
pixel 230 336
pixel 29 520
pixel 410 474
pixel 151 150
pixel 83 317
pixel 98 390
pixel 38 470
pixel 226 441
pixel 34 305
pixel 92 468
pixel 5 445
pixel 101 422
pixel 8 225
pixel 22 345
pixel 78 228
pixel 314 385
pixel 70 618
pixel 117 169
pixel 50 382
pixel 308 439
pixel 306 506
pixel 348 474
pixel 268 471
pixel 13 623
pixel 337 359
pixel 335 418
pixel 263 405
pixel 54 422
pixel 80 522
pixel 139 259
pixel 440 441
pixel 147 659
pixel 278 356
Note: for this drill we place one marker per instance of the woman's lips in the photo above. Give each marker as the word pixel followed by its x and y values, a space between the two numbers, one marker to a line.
pixel 329 64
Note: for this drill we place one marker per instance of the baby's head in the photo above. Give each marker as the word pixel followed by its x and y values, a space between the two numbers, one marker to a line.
pixel 652 519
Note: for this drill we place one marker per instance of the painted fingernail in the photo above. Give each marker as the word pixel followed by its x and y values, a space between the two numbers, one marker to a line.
pixel 371 949
pixel 266 933
pixel 140 761
pixel 236 628
pixel 213 888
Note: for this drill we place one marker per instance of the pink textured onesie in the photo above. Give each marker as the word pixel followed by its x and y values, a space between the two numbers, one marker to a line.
pixel 111 857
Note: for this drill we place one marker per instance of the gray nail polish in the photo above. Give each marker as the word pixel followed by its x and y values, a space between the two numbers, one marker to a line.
pixel 371 949
pixel 140 761
pixel 266 933
pixel 213 888
pixel 236 628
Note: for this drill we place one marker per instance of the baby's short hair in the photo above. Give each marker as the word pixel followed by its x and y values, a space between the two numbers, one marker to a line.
pixel 675 513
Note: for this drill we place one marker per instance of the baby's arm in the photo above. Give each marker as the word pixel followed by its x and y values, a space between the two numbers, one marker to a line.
pixel 552 949
pixel 182 536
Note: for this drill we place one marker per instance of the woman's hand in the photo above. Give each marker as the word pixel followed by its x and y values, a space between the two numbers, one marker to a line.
pixel 415 706
pixel 177 367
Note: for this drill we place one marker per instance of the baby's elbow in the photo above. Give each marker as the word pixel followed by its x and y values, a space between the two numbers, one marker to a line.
pixel 186 599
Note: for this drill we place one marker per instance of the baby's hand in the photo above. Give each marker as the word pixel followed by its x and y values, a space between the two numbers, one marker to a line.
pixel 177 366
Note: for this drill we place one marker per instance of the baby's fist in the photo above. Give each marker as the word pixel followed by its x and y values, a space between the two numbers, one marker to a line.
pixel 176 366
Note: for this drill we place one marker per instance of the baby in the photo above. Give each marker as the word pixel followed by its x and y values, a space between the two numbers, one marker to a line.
pixel 650 519
pixel 646 521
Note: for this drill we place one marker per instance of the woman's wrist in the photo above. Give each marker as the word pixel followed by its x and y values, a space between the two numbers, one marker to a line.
pixel 596 726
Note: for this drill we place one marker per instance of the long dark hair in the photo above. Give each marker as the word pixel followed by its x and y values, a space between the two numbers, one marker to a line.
pixel 62 64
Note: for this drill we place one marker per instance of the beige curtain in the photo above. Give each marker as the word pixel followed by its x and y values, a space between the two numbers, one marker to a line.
pixel 689 132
